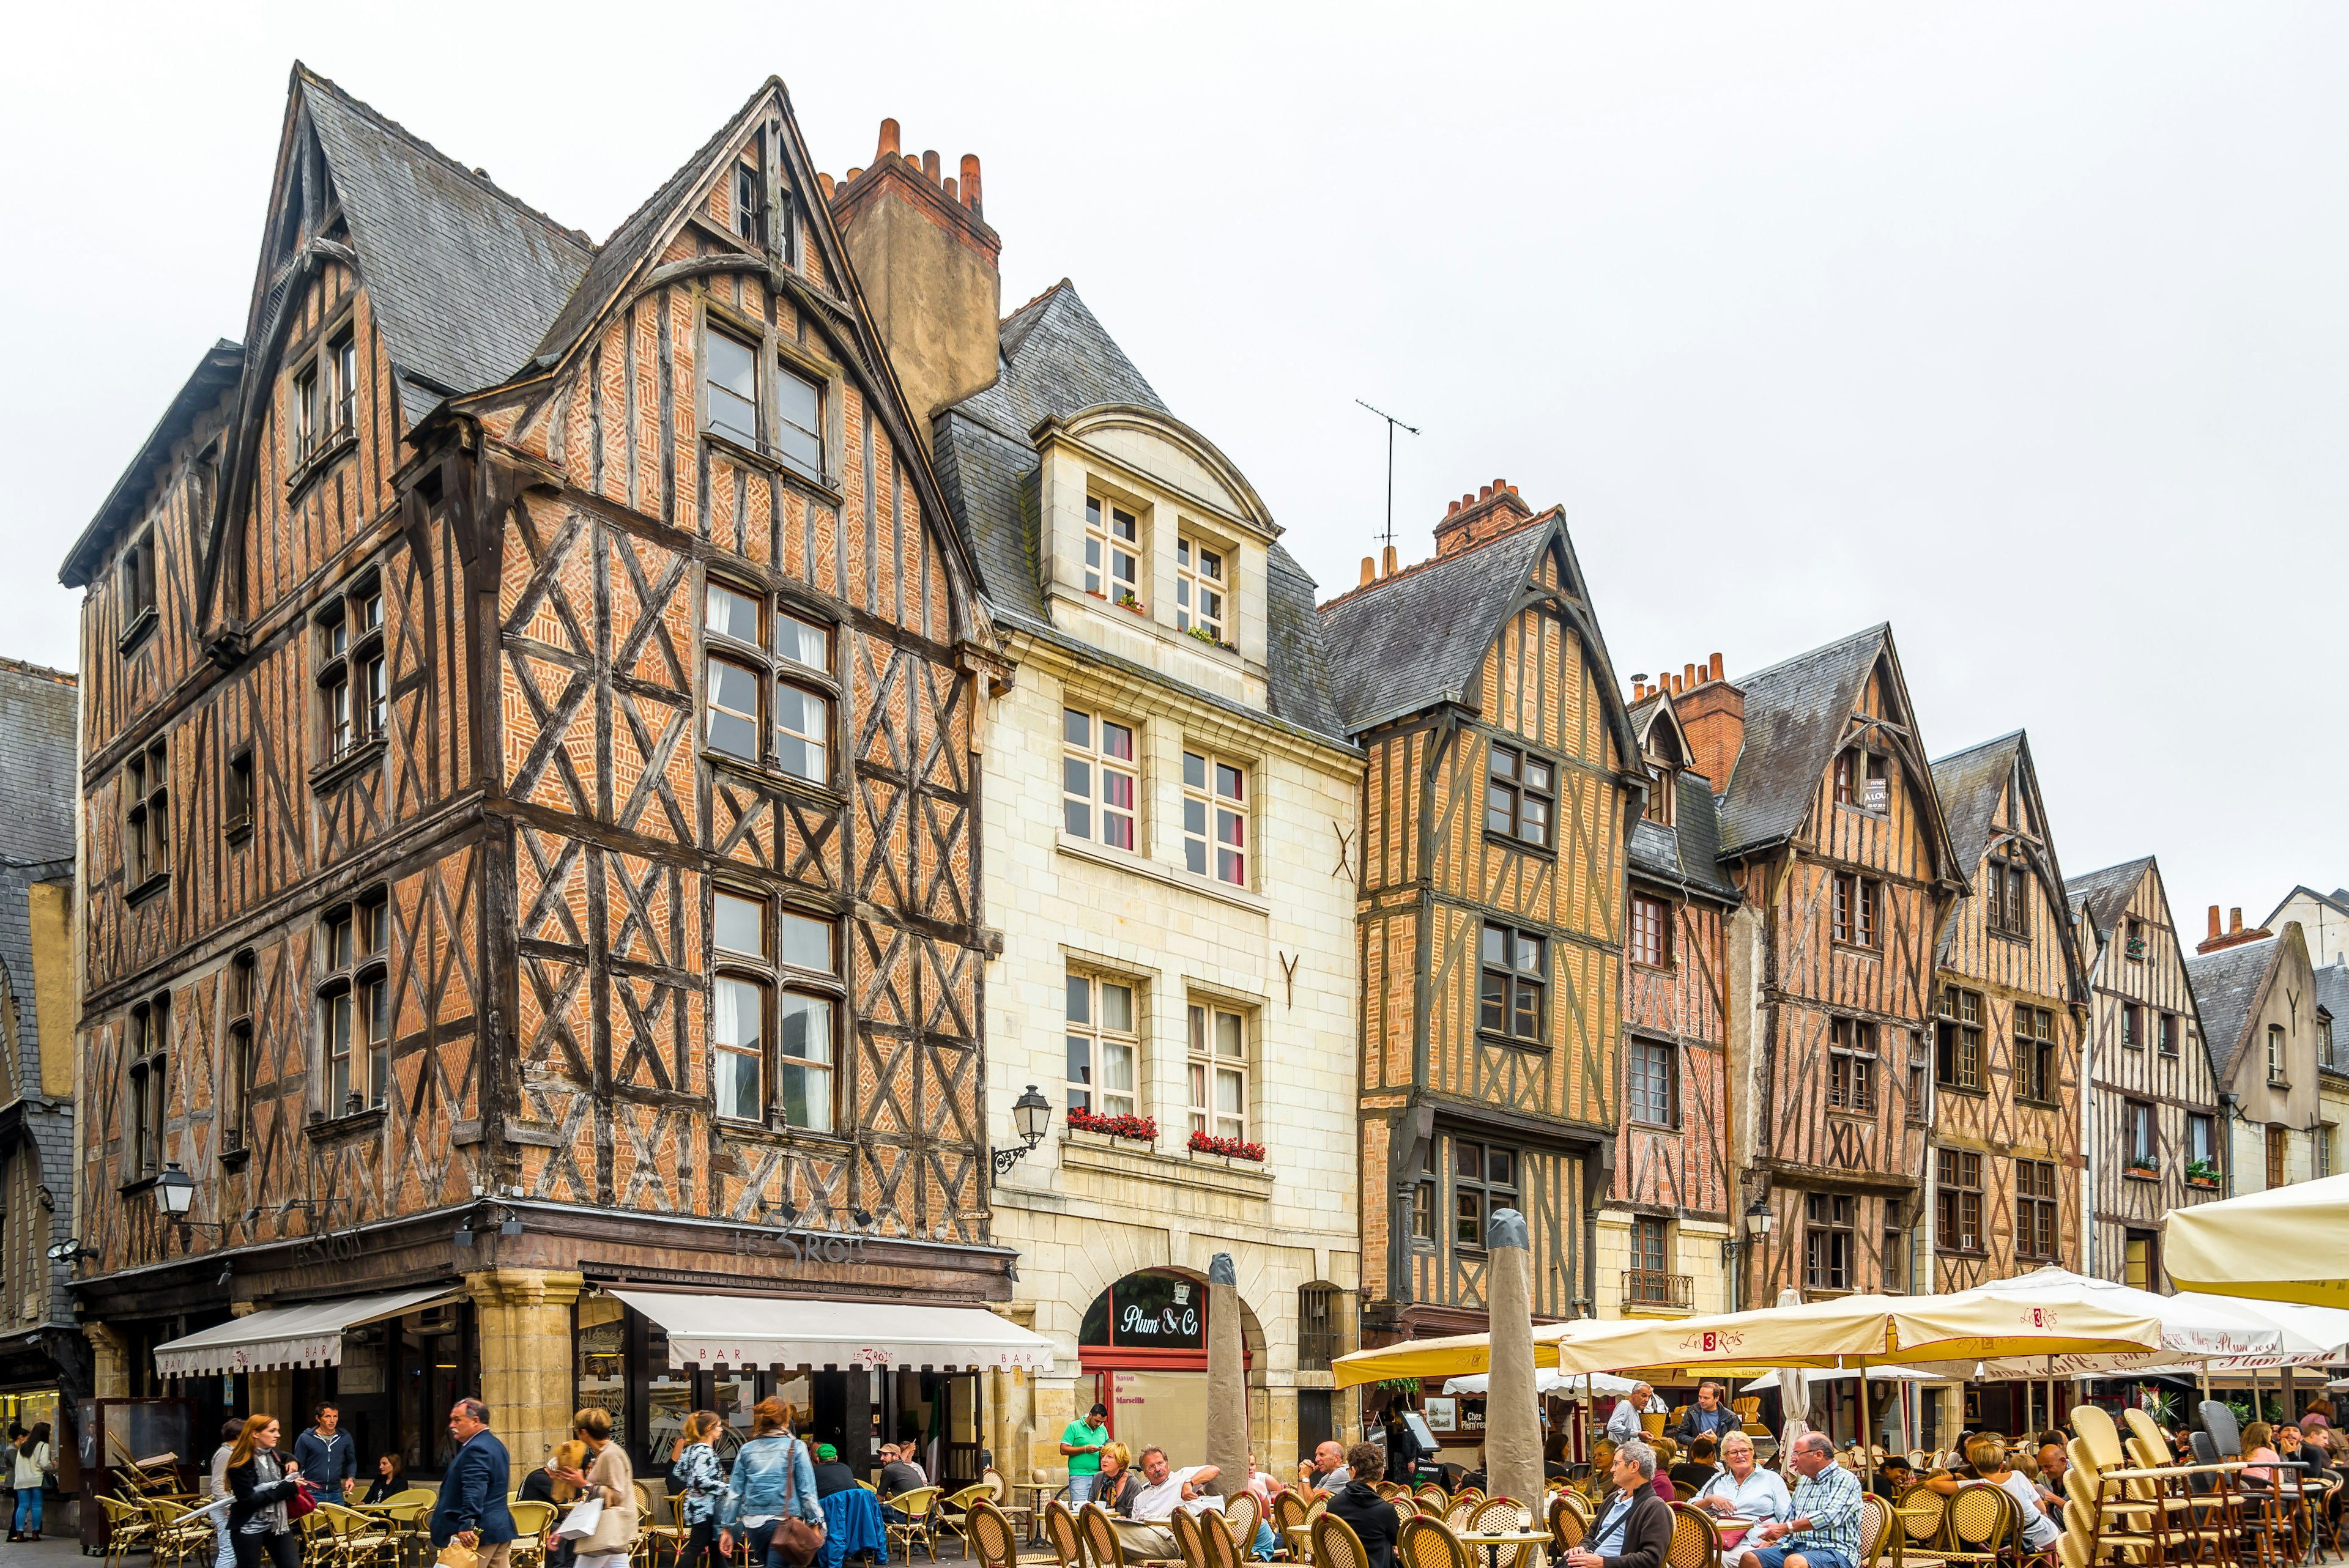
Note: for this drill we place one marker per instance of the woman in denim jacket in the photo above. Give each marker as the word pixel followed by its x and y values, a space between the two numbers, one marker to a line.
pixel 694 1467
pixel 772 1476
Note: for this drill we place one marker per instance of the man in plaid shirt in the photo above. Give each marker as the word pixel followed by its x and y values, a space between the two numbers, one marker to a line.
pixel 1824 1531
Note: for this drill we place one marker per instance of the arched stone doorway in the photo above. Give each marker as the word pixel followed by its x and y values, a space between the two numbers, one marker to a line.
pixel 1142 1351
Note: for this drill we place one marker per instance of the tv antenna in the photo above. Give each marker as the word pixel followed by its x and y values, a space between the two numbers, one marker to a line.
pixel 1388 537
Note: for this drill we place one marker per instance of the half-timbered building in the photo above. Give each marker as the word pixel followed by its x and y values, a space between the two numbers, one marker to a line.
pixel 1667 1217
pixel 1171 807
pixel 533 827
pixel 1831 826
pixel 2151 1134
pixel 1504 776
pixel 2011 1000
pixel 2256 993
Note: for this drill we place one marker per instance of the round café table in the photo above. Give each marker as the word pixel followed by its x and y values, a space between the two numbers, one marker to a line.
pixel 1492 1540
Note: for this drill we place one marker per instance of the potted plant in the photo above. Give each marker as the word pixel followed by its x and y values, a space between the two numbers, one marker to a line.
pixel 2142 1165
pixel 2201 1173
pixel 1213 640
pixel 1140 1129
pixel 1229 1147
pixel 1126 601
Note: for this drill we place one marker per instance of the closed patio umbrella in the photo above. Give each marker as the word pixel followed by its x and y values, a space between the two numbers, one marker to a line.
pixel 1513 1448
pixel 2288 1244
pixel 1228 1434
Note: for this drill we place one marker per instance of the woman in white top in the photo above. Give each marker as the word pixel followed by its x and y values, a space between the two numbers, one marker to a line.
pixel 1988 1456
pixel 1743 1490
pixel 31 1461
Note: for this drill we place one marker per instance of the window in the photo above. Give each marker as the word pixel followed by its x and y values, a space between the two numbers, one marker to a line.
pixel 1097 779
pixel 309 427
pixel 2133 1025
pixel 1422 1196
pixel 343 360
pixel 1663 793
pixel 236 1089
pixel 1957 1053
pixel 2137 1137
pixel 1649 1282
pixel 2141 1261
pixel 1957 1201
pixel 2035 1054
pixel 1851 1063
pixel 136 574
pixel 2133 938
pixel 2201 1139
pixel 354 995
pixel 1652 1088
pixel 1896 1261
pixel 1103 1046
pixel 2279 1154
pixel 324 403
pixel 2275 1053
pixel 353 697
pixel 1515 968
pixel 1858 905
pixel 1518 791
pixel 1826 1240
pixel 1484 1182
pixel 1863 778
pixel 2035 1209
pixel 2321 1140
pixel 1218 1072
pixel 750 204
pixel 1317 1341
pixel 2168 1031
pixel 2323 1040
pixel 1214 818
pixel 1652 931
pixel 760 663
pixel 149 1095
pixel 773 1012
pixel 147 816
pixel 730 374
pixel 2008 886
pixel 1200 585
pixel 236 811
pixel 1113 550
pixel 799 421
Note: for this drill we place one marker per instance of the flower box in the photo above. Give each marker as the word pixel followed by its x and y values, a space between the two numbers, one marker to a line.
pixel 1128 601
pixel 2143 1170
pixel 2201 1173
pixel 1229 1147
pixel 1140 1129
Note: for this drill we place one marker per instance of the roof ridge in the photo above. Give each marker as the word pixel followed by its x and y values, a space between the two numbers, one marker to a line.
pixel 334 89
pixel 2016 734
pixel 698 155
pixel 1881 628
pixel 41 672
pixel 1039 299
pixel 1400 573
pixel 2070 883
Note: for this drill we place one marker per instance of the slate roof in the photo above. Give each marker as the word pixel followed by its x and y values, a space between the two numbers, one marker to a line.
pixel 1688 854
pixel 2107 893
pixel 1970 783
pixel 1794 715
pixel 2333 996
pixel 215 374
pixel 1056 360
pixel 38 786
pixel 1413 640
pixel 463 277
pixel 2226 988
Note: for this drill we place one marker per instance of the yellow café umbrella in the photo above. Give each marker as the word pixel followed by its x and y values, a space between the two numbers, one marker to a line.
pixel 2287 1244
pixel 1454 1355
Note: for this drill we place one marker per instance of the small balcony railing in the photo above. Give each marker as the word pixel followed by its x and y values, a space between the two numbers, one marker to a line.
pixel 1652 1287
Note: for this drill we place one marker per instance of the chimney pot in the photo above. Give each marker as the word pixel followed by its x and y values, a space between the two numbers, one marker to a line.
pixel 1485 494
pixel 850 178
pixel 823 183
pixel 1689 677
pixel 2234 920
pixel 1500 486
pixel 1715 667
pixel 954 193
pixel 1450 508
pixel 1370 571
pixel 1390 560
pixel 912 161
pixel 930 165
pixel 2214 920
pixel 970 181
pixel 888 147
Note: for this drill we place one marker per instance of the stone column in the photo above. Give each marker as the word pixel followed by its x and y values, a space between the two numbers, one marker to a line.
pixel 110 1362
pixel 522 1321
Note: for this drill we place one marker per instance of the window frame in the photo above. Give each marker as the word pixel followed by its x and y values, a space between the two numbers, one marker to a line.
pixel 1649 930
pixel 236 794
pixel 352 678
pixel 1193 582
pixel 1489 1195
pixel 1830 1229
pixel 772 974
pixel 2279 1156
pixel 1520 983
pixel 2038 1212
pixel 238 1061
pixel 2037 1061
pixel 147 816
pixel 1958 1201
pixel 1959 1032
pixel 2279 1045
pixel 1205 1065
pixel 350 967
pixel 321 398
pixel 2202 1138
pixel 1656 1064
pixel 135 576
pixel 2008 912
pixel 1853 783
pixel 1856 912
pixel 1205 850
pixel 1518 799
pixel 147 1066
pixel 1098 1038
pixel 2170 1028
pixel 772 357
pixel 1104 548
pixel 1855 1065
pixel 1102 766
pixel 771 671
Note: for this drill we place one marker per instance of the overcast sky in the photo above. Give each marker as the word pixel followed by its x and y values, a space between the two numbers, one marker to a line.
pixel 2020 327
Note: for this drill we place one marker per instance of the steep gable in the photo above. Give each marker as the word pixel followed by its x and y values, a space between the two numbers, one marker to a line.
pixel 2228 986
pixel 2106 895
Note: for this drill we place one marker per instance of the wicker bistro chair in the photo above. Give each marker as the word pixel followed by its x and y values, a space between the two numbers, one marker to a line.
pixel 920 1507
pixel 1463 1506
pixel 129 1528
pixel 175 1537
pixel 1243 1512
pixel 532 1522
pixel 1406 1508
pixel 954 1512
pixel 1431 1492
pixel 1388 1488
pixel 1874 1529
pixel 1983 1526
pixel 1062 1535
pixel 360 1541
pixel 988 1534
pixel 1499 1513
pixel 1184 1525
pixel 1101 1546
pixel 1335 1544
pixel 1695 1542
pixel 1288 1514
pixel 1566 1524
pixel 1427 1543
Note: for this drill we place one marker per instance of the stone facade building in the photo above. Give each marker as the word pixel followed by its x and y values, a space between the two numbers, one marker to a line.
pixel 42 1353
pixel 2257 994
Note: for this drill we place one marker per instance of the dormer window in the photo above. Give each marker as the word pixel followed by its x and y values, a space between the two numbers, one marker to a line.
pixel 2133 938
pixel 1661 793
pixel 323 405
pixel 1863 778
pixel 1201 581
pixel 750 204
pixel 2007 888
pixel 1113 551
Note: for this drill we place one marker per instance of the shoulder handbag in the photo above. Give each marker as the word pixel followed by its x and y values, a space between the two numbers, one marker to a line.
pixel 794 1537
pixel 581 1522
pixel 303 1500
pixel 616 1531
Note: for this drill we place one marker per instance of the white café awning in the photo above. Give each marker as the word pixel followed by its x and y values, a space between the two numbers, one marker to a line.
pixel 766 1331
pixel 310 1335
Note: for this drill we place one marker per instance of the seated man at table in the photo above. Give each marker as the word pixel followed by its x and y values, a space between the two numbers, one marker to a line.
pixel 1694 1474
pixel 1634 1528
pixel 1325 1470
pixel 1372 1517
pixel 830 1475
pixel 1743 1490
pixel 1825 1529
pixel 1164 1489
pixel 899 1474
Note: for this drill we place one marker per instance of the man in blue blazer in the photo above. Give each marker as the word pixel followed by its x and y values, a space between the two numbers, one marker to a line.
pixel 473 1502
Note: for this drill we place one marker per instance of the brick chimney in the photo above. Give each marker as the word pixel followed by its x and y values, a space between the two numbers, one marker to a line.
pixel 1486 514
pixel 2234 935
pixel 927 260
pixel 1712 714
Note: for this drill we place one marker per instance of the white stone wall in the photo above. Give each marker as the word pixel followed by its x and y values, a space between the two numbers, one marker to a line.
pixel 1083 1210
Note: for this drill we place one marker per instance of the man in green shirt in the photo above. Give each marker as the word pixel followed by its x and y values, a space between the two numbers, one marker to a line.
pixel 1082 1443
